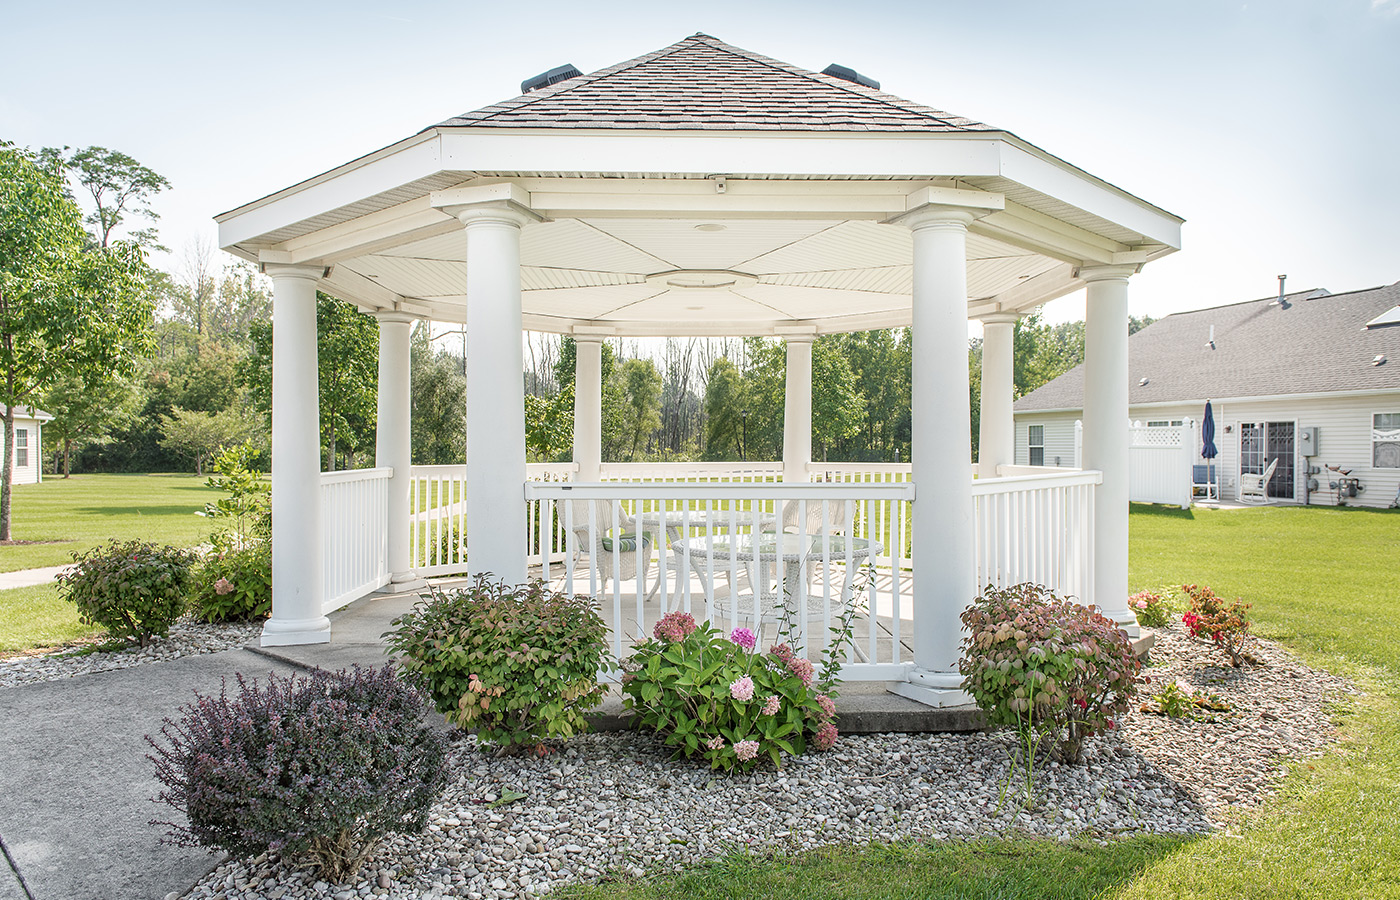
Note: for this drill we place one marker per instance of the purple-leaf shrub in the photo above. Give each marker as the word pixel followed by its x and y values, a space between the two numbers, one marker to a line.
pixel 1040 663
pixel 323 764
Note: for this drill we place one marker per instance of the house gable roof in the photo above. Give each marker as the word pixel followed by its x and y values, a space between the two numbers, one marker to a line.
pixel 1317 343
pixel 702 83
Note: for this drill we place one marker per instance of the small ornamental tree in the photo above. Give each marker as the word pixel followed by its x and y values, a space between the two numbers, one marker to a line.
pixel 323 764
pixel 518 663
pixel 136 590
pixel 1046 666
pixel 1211 619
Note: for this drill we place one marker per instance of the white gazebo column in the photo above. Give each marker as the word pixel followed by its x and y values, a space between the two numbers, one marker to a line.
pixel 393 443
pixel 495 483
pixel 797 408
pixel 1106 433
pixel 996 430
pixel 297 584
pixel 941 454
pixel 588 405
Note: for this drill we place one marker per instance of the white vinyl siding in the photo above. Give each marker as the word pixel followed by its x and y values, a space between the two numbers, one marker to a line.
pixel 28 452
pixel 1057 437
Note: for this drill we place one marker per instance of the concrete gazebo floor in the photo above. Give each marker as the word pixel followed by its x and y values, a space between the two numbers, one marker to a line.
pixel 357 639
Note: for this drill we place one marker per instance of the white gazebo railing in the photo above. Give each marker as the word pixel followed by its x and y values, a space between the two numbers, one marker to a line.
pixel 1037 528
pixel 355 534
pixel 703 472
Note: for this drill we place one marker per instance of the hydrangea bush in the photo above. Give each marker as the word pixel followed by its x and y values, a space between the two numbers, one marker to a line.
pixel 518 663
pixel 136 590
pixel 1046 666
pixel 1150 608
pixel 234 583
pixel 323 765
pixel 716 697
pixel 1211 619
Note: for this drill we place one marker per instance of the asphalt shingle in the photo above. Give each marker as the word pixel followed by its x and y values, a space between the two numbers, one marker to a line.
pixel 704 83
pixel 1318 343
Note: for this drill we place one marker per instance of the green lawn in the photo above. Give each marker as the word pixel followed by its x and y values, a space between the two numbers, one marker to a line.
pixel 37 617
pixel 86 510
pixel 1324 581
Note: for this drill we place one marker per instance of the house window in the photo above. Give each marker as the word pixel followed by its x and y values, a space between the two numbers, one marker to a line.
pixel 1035 440
pixel 1385 440
pixel 21 447
pixel 1164 423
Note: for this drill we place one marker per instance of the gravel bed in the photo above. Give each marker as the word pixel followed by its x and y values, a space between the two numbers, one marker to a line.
pixel 613 803
pixel 187 638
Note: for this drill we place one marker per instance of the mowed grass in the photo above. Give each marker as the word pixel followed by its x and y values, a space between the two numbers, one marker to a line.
pixel 1324 581
pixel 86 510
pixel 33 617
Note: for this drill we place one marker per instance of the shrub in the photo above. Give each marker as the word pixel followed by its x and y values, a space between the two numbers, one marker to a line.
pixel 136 590
pixel 1150 609
pixel 323 764
pixel 1178 701
pixel 519 664
pixel 248 507
pixel 233 583
pixel 1209 618
pixel 714 696
pixel 1046 666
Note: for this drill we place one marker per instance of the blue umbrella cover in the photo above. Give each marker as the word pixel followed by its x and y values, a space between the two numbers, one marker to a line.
pixel 1208 449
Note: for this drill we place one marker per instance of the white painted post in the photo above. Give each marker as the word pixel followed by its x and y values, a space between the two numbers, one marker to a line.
pixel 941 454
pixel 298 590
pixel 1106 435
pixel 996 427
pixel 588 405
pixel 495 480
pixel 797 408
pixel 393 443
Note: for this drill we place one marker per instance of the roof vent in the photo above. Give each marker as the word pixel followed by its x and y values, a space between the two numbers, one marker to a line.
pixel 850 75
pixel 553 76
pixel 1282 301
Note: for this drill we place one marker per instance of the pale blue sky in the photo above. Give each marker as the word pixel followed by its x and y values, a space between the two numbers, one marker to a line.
pixel 1272 127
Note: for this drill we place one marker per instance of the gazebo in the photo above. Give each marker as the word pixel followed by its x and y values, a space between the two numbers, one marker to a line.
pixel 706 190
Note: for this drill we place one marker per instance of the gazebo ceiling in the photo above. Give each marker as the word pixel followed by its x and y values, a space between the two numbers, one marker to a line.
pixel 703 189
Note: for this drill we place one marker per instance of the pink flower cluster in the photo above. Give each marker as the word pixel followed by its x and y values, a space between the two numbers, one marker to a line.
pixel 802 668
pixel 744 638
pixel 715 743
pixel 772 705
pixel 828 706
pixel 746 750
pixel 223 586
pixel 825 738
pixel 742 690
pixel 675 626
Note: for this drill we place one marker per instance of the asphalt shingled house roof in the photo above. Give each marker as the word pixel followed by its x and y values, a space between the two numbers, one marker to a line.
pixel 702 83
pixel 1318 342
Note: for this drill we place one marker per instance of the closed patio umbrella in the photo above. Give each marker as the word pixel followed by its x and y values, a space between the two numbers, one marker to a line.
pixel 1209 452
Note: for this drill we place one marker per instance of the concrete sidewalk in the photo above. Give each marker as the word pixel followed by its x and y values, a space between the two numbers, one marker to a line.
pixel 76 787
pixel 28 578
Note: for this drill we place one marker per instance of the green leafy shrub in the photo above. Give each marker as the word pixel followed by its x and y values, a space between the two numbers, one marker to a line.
pixel 233 583
pixel 323 764
pixel 1211 619
pixel 1046 666
pixel 1184 702
pixel 136 590
pixel 1150 608
pixel 716 697
pixel 519 664
pixel 247 509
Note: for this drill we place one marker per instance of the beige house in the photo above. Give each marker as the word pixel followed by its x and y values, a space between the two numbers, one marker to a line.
pixel 28 450
pixel 1310 379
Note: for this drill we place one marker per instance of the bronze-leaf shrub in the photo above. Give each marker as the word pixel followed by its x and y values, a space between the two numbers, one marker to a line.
pixel 1047 666
pixel 519 663
pixel 1210 618
pixel 321 765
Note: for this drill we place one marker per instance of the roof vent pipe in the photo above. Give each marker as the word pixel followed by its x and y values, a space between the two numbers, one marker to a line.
pixel 850 75
pixel 545 79
pixel 1282 303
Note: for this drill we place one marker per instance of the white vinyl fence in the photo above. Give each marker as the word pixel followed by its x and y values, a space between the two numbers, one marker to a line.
pixel 1159 463
pixel 355 529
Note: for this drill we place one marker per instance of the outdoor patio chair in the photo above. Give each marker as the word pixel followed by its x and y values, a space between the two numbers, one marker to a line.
pixel 1255 488
pixel 605 536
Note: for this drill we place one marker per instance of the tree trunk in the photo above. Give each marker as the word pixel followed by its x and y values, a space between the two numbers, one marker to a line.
pixel 67 452
pixel 7 470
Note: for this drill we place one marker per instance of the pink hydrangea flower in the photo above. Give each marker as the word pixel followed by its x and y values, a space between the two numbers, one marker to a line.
pixel 783 652
pixel 742 690
pixel 825 738
pixel 223 586
pixel 675 626
pixel 744 638
pixel 746 750
pixel 715 743
pixel 828 706
pixel 772 705
pixel 803 669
